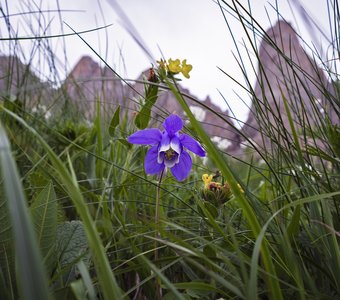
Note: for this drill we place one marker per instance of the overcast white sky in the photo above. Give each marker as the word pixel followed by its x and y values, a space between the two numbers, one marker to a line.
pixel 191 29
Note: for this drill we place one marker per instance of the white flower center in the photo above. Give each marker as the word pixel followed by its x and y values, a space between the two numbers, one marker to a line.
pixel 170 154
pixel 170 157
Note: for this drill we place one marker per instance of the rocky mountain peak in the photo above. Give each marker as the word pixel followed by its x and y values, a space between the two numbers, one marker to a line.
pixel 287 72
pixel 85 68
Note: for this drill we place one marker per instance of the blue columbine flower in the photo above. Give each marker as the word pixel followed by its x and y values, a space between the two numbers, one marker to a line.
pixel 167 149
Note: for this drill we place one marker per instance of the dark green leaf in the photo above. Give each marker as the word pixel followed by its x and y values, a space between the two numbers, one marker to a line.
pixel 71 242
pixel 143 117
pixel 125 143
pixel 114 121
pixel 44 216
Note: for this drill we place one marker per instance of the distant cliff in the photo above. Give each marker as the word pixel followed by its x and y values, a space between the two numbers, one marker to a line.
pixel 285 72
pixel 88 82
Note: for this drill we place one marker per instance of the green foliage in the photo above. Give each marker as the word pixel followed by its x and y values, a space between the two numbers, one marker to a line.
pixel 82 207
pixel 114 121
pixel 70 246
pixel 7 255
pixel 31 273
pixel 151 95
pixel 44 217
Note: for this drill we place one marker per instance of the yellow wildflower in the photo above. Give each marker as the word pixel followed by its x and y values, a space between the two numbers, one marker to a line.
pixel 186 68
pixel 207 179
pixel 215 192
pixel 174 66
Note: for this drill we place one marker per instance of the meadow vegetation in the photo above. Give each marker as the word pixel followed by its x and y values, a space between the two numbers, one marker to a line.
pixel 80 219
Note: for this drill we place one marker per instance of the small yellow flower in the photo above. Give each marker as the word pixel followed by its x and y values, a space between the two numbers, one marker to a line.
pixel 207 179
pixel 186 68
pixel 215 192
pixel 174 66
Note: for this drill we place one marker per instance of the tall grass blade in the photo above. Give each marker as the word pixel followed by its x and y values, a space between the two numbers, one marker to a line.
pixel 7 257
pixel 31 273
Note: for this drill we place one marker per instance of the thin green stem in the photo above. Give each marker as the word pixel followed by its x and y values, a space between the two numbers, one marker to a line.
pixel 157 214
pixel 158 200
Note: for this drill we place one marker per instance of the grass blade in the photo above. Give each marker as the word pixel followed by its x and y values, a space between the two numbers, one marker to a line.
pixel 31 273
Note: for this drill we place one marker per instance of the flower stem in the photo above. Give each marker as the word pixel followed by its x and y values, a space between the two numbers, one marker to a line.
pixel 158 206
pixel 157 214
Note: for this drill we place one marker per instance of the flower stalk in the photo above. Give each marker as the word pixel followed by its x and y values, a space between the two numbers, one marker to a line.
pixel 157 224
pixel 158 200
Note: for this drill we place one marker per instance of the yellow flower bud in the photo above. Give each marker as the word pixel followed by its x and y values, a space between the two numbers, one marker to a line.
pixel 161 63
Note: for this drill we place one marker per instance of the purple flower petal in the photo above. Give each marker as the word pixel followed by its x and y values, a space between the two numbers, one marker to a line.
pixel 173 124
pixel 191 144
pixel 175 144
pixel 146 137
pixel 151 165
pixel 160 157
pixel 182 169
pixel 165 143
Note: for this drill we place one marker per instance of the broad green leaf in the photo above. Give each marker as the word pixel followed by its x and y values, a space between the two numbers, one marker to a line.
pixel 71 242
pixel 70 247
pixel 44 216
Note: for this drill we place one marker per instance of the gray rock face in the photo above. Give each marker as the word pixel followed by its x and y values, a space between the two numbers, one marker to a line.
pixel 18 82
pixel 88 82
pixel 287 72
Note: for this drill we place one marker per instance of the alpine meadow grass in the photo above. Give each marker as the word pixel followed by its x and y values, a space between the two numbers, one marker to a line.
pixel 87 214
